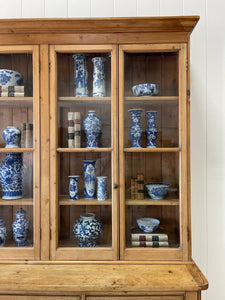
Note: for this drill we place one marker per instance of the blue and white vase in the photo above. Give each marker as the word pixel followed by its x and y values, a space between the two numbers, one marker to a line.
pixel 20 228
pixel 12 137
pixel 89 179
pixel 136 131
pixel 101 188
pixel 98 76
pixel 3 233
pixel 73 187
pixel 87 229
pixel 11 176
pixel 92 127
pixel 151 132
pixel 81 74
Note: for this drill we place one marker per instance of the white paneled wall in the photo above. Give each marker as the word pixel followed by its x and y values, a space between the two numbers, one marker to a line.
pixel 207 109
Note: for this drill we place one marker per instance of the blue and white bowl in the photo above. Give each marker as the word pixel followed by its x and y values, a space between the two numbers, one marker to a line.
pixel 145 89
pixel 10 77
pixel 157 190
pixel 148 224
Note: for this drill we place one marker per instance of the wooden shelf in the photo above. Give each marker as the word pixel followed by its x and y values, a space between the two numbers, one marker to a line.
pixel 69 150
pixel 64 200
pixel 21 201
pixel 16 101
pixel 81 99
pixel 16 150
pixel 149 201
pixel 152 98
pixel 175 149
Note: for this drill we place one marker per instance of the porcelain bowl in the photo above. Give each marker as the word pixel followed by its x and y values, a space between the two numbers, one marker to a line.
pixel 145 89
pixel 157 190
pixel 10 77
pixel 148 224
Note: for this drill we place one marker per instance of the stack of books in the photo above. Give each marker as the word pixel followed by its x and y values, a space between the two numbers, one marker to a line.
pixel 154 240
pixel 11 91
pixel 137 187
pixel 27 135
pixel 74 129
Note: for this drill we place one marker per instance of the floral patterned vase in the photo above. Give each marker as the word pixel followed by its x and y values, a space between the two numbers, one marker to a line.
pixel 92 127
pixel 11 176
pixel 98 76
pixel 12 136
pixel 151 132
pixel 87 229
pixel 89 179
pixel 73 188
pixel 20 228
pixel 81 74
pixel 101 188
pixel 136 131
pixel 3 233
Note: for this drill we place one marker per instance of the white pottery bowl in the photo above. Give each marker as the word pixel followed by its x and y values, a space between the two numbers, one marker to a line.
pixel 10 77
pixel 145 89
pixel 157 190
pixel 148 224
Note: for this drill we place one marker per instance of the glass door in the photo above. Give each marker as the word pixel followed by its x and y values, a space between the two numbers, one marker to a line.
pixel 153 152
pixel 19 153
pixel 83 134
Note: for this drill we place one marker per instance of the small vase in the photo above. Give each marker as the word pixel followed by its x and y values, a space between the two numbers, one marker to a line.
pixel 81 75
pixel 73 187
pixel 151 132
pixel 21 228
pixel 3 233
pixel 89 179
pixel 101 188
pixel 87 229
pixel 12 136
pixel 11 176
pixel 136 131
pixel 92 127
pixel 98 76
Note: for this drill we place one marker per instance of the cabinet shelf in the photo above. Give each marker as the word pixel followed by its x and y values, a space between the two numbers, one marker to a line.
pixel 64 200
pixel 149 201
pixel 21 201
pixel 16 150
pixel 175 149
pixel 16 101
pixel 152 98
pixel 88 150
pixel 67 101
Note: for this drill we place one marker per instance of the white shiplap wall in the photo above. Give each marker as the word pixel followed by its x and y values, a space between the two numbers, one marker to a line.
pixel 207 110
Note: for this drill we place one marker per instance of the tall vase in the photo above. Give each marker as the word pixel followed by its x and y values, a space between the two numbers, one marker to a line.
pixel 98 76
pixel 136 131
pixel 81 74
pixel 11 176
pixel 73 187
pixel 12 136
pixel 89 179
pixel 151 132
pixel 20 228
pixel 92 127
pixel 3 233
pixel 101 188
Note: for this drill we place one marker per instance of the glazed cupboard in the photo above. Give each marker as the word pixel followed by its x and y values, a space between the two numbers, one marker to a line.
pixel 103 109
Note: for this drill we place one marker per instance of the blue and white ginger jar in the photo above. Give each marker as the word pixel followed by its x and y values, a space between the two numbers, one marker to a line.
pixel 12 137
pixel 89 179
pixel 151 132
pixel 92 127
pixel 135 131
pixel 98 76
pixel 21 228
pixel 10 77
pixel 11 176
pixel 87 229
pixel 73 187
pixel 101 188
pixel 81 74
pixel 3 233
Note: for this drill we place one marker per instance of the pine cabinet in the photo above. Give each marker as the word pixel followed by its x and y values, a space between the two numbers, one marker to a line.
pixel 92 144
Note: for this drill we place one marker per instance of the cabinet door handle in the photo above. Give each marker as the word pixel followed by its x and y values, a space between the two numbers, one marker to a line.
pixel 115 186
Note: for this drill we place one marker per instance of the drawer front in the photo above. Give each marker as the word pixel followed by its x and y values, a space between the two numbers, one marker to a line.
pixel 136 298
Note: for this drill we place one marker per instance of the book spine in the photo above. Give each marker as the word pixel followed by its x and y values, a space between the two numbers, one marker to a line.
pixel 135 188
pixel 149 244
pixel 77 129
pixel 12 88
pixel 70 130
pixel 23 135
pixel 149 237
pixel 11 94
pixel 140 186
pixel 29 135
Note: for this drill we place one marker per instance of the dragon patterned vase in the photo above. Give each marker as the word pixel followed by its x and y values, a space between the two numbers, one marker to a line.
pixel 135 131
pixel 87 229
pixel 12 137
pixel 89 179
pixel 92 127
pixel 101 188
pixel 151 132
pixel 98 76
pixel 3 233
pixel 73 187
pixel 20 228
pixel 81 74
